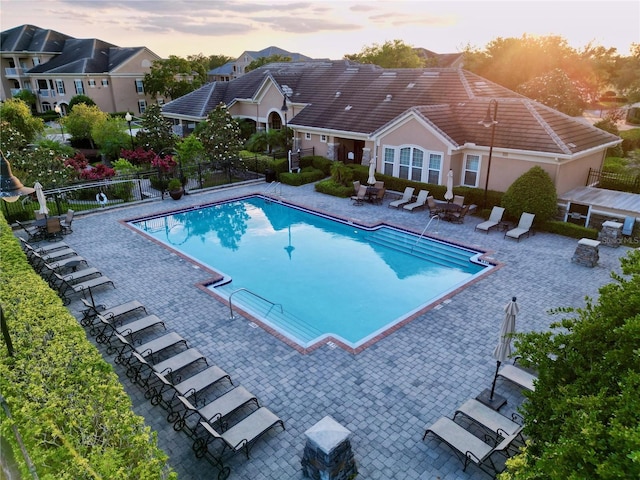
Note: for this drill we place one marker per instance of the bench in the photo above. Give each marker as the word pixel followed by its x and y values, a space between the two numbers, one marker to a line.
pixel 518 376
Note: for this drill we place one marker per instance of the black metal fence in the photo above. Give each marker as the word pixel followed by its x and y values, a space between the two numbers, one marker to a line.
pixel 130 188
pixel 613 181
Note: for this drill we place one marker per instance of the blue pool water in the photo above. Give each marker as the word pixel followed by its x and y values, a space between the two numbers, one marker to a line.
pixel 322 278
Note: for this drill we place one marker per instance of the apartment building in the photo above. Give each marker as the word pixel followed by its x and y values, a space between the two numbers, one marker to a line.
pixel 56 67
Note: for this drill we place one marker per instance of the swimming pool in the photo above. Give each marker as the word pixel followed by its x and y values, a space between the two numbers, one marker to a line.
pixel 311 277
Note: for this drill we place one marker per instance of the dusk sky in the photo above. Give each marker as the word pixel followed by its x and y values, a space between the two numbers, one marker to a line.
pixel 329 28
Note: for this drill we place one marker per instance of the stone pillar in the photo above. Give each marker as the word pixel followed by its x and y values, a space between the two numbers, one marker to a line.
pixel 611 234
pixel 327 454
pixel 586 252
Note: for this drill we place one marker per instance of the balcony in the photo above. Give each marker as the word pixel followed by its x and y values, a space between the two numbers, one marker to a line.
pixel 14 72
pixel 46 93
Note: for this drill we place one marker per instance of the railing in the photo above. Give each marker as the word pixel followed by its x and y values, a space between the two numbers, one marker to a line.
pixel 425 230
pixel 13 72
pixel 275 187
pixel 231 317
pixel 613 181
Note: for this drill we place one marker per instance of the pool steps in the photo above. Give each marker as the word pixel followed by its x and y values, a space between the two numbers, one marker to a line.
pixel 422 248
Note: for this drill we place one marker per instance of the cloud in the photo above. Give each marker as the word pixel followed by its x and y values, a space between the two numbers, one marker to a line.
pixel 305 24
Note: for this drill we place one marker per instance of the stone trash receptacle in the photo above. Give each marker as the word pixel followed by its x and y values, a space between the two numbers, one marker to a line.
pixel 611 234
pixel 586 252
pixel 327 454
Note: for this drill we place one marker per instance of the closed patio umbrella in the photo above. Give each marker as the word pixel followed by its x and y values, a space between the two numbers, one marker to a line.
pixel 372 172
pixel 501 353
pixel 448 196
pixel 41 199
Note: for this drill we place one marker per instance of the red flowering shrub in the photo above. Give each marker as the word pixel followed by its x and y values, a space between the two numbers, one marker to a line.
pixel 87 172
pixel 139 156
pixel 166 164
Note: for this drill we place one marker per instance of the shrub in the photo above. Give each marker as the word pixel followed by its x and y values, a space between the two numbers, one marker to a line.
pixel 330 187
pixel 532 192
pixel 75 418
pixel 307 175
pixel 570 230
pixel 174 184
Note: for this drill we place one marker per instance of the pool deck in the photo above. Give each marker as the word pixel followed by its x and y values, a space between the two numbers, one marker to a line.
pixel 386 394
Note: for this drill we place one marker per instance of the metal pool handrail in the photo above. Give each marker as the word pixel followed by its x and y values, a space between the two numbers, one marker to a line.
pixel 425 229
pixel 255 295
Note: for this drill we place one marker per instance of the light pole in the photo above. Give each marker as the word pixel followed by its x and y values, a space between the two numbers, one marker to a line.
pixel 58 110
pixel 284 109
pixel 490 120
pixel 128 118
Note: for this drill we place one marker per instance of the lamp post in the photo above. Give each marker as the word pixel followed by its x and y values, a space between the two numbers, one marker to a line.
pixel 284 109
pixel 58 110
pixel 489 121
pixel 128 118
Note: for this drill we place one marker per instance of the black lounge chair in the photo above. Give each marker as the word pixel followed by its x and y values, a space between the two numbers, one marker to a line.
pixel 215 411
pixel 239 437
pixel 468 447
pixel 189 387
pixel 90 314
pixel 66 289
pixel 168 367
pixel 129 330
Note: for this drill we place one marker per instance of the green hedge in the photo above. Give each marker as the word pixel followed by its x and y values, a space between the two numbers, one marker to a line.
pixel 306 175
pixel 73 414
pixel 570 230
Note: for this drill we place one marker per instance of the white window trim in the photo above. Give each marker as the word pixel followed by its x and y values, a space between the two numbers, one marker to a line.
pixel 465 170
pixel 324 138
pixel 307 136
pixel 424 176
pixel 104 82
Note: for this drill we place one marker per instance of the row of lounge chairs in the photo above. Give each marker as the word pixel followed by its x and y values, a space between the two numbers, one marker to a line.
pixel 488 438
pixel 495 220
pixel 200 398
pixel 66 272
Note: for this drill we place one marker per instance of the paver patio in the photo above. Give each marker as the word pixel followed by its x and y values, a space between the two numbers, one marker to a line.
pixel 386 394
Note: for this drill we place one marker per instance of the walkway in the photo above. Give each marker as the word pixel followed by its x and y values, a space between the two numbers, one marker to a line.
pixel 385 395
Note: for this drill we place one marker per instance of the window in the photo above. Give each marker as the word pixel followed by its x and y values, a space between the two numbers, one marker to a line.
pixel 411 163
pixel 471 167
pixel 323 138
pixel 36 61
pixel 139 86
pixel 435 165
pixel 92 83
pixel 389 155
pixel 307 136
pixel 105 82
pixel 405 162
pixel 60 87
pixel 142 106
pixel 79 87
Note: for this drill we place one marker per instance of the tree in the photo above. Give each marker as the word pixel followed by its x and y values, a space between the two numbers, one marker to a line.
pixel 533 192
pixel 43 164
pixel 76 99
pixel 81 120
pixel 266 60
pixel 110 135
pixel 556 90
pixel 264 141
pixel 391 54
pixel 28 97
pixel 583 419
pixel 18 114
pixel 176 76
pixel 220 135
pixel 156 133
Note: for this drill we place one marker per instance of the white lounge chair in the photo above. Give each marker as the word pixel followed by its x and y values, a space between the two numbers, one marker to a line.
pixel 420 202
pixel 406 198
pixel 467 445
pixel 523 228
pixel 518 376
pixel 496 423
pixel 494 220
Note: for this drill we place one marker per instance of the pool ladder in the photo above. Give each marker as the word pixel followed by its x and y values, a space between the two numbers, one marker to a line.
pixel 425 230
pixel 275 187
pixel 232 317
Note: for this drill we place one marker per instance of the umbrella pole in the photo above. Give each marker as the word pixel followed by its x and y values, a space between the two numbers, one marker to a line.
pixel 495 377
pixel 487 396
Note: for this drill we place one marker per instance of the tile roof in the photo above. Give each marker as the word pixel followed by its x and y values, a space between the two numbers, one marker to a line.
pixel 29 38
pixel 86 56
pixel 343 96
